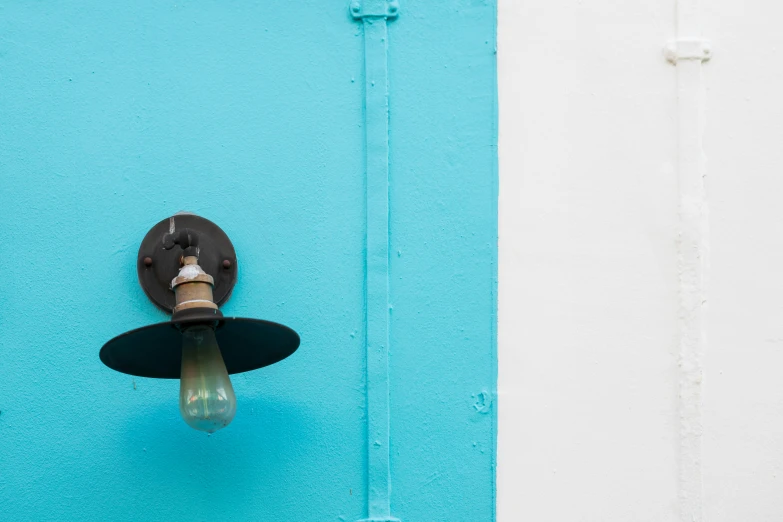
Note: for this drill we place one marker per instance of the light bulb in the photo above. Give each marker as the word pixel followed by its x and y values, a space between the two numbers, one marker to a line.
pixel 206 397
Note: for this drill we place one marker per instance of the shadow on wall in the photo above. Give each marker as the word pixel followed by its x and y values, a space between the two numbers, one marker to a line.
pixel 221 469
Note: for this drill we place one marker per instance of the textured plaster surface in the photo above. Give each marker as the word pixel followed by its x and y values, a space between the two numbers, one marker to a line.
pixel 639 334
pixel 443 201
pixel 588 263
pixel 743 390
pixel 113 117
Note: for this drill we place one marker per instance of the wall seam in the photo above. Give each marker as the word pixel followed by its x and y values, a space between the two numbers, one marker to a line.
pixel 495 268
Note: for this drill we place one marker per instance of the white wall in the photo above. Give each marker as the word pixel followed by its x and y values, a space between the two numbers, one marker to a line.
pixel 598 421
pixel 743 401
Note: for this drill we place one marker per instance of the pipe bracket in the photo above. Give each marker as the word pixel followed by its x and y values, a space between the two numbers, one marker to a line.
pixel 688 49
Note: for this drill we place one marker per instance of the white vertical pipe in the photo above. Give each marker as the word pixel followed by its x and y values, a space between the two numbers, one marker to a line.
pixel 688 53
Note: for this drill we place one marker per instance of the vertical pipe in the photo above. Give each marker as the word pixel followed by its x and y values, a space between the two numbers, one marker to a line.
pixel 377 136
pixel 374 16
pixel 688 53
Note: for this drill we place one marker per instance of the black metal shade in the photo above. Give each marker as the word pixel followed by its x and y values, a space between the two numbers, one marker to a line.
pixel 156 350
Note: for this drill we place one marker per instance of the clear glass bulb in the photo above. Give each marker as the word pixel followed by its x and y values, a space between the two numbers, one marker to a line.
pixel 206 397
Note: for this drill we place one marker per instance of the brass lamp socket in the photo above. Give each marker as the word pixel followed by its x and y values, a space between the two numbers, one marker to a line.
pixel 193 289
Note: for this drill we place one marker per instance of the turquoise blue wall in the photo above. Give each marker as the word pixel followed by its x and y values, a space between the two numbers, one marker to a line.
pixel 114 115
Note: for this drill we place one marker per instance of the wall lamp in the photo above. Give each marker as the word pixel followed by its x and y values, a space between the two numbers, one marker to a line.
pixel 187 266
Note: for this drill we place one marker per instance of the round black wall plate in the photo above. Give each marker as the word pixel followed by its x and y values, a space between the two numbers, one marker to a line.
pixel 157 266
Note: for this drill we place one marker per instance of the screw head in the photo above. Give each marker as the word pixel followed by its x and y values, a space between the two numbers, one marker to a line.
pixel 148 261
pixel 226 264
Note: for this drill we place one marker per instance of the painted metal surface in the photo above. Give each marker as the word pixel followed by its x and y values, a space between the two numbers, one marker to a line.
pixel 106 110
